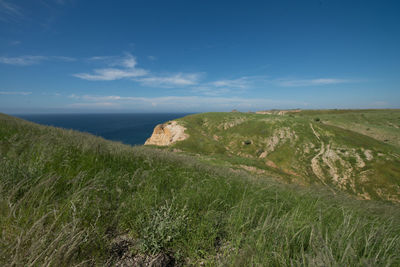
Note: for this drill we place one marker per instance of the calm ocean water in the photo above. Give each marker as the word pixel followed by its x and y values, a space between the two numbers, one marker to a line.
pixel 132 129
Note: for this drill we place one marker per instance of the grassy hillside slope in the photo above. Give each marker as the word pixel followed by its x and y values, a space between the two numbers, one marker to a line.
pixel 70 199
pixel 383 125
pixel 324 147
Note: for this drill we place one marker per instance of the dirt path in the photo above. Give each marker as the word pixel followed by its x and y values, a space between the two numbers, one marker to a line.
pixel 315 133
pixel 314 161
pixel 315 166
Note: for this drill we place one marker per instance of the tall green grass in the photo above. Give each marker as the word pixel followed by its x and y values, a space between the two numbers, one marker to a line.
pixel 65 197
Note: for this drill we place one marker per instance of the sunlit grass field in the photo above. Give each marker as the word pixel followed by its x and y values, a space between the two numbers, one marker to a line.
pixel 356 151
pixel 66 198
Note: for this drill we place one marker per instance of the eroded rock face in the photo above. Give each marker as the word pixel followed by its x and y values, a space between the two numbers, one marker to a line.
pixel 166 134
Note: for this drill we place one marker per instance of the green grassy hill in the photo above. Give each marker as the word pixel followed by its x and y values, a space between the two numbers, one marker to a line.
pixel 357 151
pixel 73 199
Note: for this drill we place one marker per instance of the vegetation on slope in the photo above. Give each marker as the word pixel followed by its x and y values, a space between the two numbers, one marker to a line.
pixel 69 198
pixel 305 147
pixel 383 125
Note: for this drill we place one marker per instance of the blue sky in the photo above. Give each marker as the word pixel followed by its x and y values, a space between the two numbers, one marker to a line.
pixel 195 56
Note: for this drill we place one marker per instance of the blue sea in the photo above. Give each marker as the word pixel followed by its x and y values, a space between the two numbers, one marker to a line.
pixel 132 129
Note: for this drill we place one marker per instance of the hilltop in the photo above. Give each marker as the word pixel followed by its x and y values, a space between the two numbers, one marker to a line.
pixel 70 198
pixel 356 151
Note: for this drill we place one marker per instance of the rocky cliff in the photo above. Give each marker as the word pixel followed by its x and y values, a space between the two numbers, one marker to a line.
pixel 166 134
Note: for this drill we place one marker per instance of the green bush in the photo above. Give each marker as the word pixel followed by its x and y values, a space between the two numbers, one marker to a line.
pixel 161 226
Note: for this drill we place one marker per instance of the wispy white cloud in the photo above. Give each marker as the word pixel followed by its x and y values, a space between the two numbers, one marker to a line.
pixel 111 74
pixel 22 60
pixel 51 94
pixel 104 98
pixel 127 69
pixel 32 60
pixel 209 90
pixel 14 93
pixel 179 79
pixel 9 11
pixel 95 105
pixel 310 82
pixel 126 61
pixel 227 86
pixel 124 67
pixel 62 58
pixel 95 58
pixel 193 103
pixel 108 98
pixel 242 83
